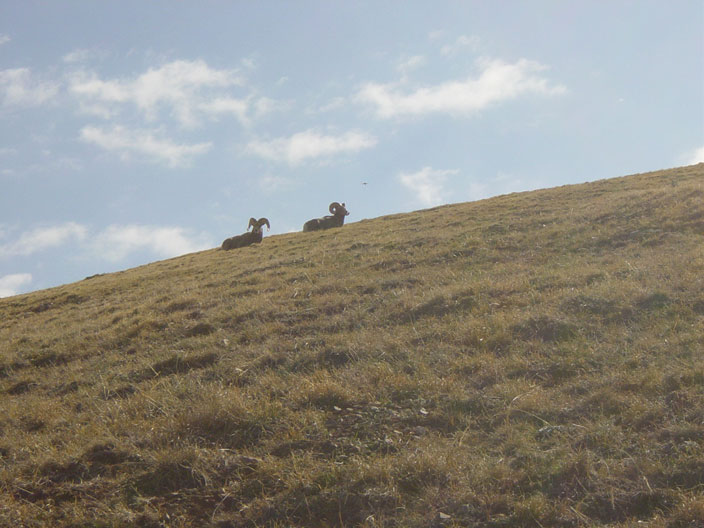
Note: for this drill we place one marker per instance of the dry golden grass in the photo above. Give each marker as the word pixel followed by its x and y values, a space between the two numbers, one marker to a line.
pixel 534 359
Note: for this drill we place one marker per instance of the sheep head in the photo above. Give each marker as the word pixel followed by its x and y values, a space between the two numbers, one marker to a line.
pixel 338 209
pixel 256 225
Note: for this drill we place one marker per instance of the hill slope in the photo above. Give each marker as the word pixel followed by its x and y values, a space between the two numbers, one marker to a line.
pixel 529 360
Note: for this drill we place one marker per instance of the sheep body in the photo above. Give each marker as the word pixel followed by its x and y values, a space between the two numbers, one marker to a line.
pixel 247 239
pixel 339 212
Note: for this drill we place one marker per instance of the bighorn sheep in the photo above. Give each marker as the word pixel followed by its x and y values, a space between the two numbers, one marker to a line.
pixel 336 220
pixel 249 238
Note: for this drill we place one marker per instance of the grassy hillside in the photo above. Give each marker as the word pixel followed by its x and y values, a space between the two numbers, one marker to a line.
pixel 535 359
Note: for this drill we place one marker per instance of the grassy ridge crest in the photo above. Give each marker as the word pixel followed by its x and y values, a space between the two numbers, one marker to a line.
pixel 533 359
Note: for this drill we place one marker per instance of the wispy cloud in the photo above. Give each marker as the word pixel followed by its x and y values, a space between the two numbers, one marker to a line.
pixel 186 90
pixel 82 55
pixel 12 284
pixel 308 145
pixel 270 184
pixel 408 64
pixel 501 183
pixel 7 151
pixel 113 243
pixel 19 87
pixel 334 104
pixel 118 241
pixel 696 156
pixel 227 105
pixel 427 184
pixel 4 39
pixel 462 42
pixel 42 238
pixel 128 142
pixel 436 34
pixel 497 81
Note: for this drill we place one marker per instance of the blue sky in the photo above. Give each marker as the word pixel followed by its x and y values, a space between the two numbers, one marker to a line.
pixel 135 131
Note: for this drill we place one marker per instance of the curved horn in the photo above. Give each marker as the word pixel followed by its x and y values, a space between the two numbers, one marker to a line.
pixel 334 206
pixel 263 221
pixel 252 223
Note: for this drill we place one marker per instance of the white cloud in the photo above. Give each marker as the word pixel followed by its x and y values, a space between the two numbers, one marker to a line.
pixel 410 63
pixel 249 62
pixel 112 243
pixel 696 156
pixel 83 55
pixel 274 184
pixel 498 81
pixel 462 42
pixel 19 87
pixel 426 184
pixel 265 105
pixel 186 89
pixel 117 241
pixel 334 104
pixel 502 183
pixel 12 284
pixel 127 142
pixel 4 39
pixel 78 55
pixel 308 145
pixel 478 191
pixel 227 105
pixel 43 238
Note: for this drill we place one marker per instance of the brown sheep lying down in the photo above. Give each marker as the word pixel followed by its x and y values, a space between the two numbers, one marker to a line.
pixel 249 238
